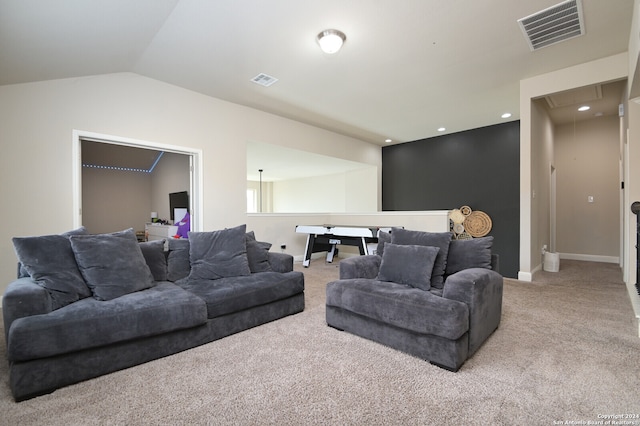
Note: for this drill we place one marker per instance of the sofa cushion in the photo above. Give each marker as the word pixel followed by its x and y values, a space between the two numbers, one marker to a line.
pixel 112 265
pixel 228 295
pixel 469 253
pixel 401 306
pixel 178 263
pixel 90 323
pixel 257 254
pixel 153 252
pixel 50 262
pixel 218 254
pixel 408 264
pixel 434 239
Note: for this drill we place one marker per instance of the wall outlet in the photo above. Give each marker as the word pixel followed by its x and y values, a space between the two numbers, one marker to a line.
pixel 283 247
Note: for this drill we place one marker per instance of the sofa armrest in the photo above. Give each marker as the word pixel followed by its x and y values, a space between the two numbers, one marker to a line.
pixel 481 290
pixel 360 266
pixel 281 262
pixel 23 298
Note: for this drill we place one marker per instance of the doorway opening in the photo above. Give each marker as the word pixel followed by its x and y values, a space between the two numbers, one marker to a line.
pixel 157 150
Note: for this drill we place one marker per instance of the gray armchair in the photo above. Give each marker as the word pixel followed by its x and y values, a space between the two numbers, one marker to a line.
pixel 378 297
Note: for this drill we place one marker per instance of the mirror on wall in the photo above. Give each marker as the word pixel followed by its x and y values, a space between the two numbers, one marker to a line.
pixel 286 180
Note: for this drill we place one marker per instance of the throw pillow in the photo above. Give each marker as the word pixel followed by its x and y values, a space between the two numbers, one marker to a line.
pixel 408 264
pixel 112 264
pixel 435 239
pixel 471 253
pixel 22 271
pixel 218 254
pixel 50 262
pixel 153 252
pixel 178 264
pixel 383 237
pixel 257 254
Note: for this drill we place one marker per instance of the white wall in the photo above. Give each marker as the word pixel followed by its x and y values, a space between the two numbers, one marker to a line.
pixel 588 231
pixel 542 137
pixel 310 194
pixel 37 121
pixel 353 191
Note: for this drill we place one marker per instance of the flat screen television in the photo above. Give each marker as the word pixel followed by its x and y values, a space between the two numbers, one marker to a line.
pixel 178 200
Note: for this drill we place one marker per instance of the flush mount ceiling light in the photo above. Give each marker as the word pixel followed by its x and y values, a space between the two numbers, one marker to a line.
pixel 584 108
pixel 331 41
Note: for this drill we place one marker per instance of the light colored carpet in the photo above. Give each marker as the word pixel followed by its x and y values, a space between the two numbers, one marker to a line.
pixel 566 350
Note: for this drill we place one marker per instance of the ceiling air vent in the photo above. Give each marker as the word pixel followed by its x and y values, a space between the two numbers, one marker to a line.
pixel 553 25
pixel 264 80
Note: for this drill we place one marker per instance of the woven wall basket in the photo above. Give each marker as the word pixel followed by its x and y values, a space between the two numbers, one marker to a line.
pixel 477 224
pixel 456 216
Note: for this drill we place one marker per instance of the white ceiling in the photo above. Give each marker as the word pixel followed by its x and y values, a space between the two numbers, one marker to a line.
pixel 407 68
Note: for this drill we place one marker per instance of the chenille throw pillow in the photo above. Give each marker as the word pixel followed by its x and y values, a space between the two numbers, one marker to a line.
pixel 408 264
pixel 178 264
pixel 383 237
pixel 112 264
pixel 470 253
pixel 218 254
pixel 257 254
pixel 50 262
pixel 434 239
pixel 153 252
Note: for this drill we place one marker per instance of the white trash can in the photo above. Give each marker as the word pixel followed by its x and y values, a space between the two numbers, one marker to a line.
pixel 551 262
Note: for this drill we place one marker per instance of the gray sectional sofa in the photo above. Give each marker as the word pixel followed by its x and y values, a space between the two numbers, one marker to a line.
pixel 87 305
pixel 422 293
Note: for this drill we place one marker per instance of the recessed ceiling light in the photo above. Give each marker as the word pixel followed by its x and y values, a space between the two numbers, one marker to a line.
pixel 506 115
pixel 584 108
pixel 388 140
pixel 441 129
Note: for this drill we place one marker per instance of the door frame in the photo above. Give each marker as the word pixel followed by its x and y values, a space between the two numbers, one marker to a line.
pixel 195 162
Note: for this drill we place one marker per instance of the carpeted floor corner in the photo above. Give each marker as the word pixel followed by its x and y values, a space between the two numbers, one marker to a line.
pixel 567 350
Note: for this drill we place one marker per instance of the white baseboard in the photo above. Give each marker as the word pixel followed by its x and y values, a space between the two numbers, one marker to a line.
pixel 590 258
pixel 525 276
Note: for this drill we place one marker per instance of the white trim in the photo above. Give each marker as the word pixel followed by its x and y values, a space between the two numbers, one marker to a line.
pixel 525 276
pixel 197 217
pixel 590 257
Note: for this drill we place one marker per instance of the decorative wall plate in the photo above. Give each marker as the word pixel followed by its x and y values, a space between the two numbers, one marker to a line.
pixel 477 224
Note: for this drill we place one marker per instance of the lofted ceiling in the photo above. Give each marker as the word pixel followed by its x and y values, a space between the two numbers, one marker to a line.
pixel 407 68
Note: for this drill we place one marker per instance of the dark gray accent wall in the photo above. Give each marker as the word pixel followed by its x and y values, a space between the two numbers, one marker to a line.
pixel 479 168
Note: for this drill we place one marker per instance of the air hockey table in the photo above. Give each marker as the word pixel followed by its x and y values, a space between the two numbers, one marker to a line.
pixel 327 237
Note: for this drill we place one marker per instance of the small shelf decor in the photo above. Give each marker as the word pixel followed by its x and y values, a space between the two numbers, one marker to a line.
pixel 466 223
